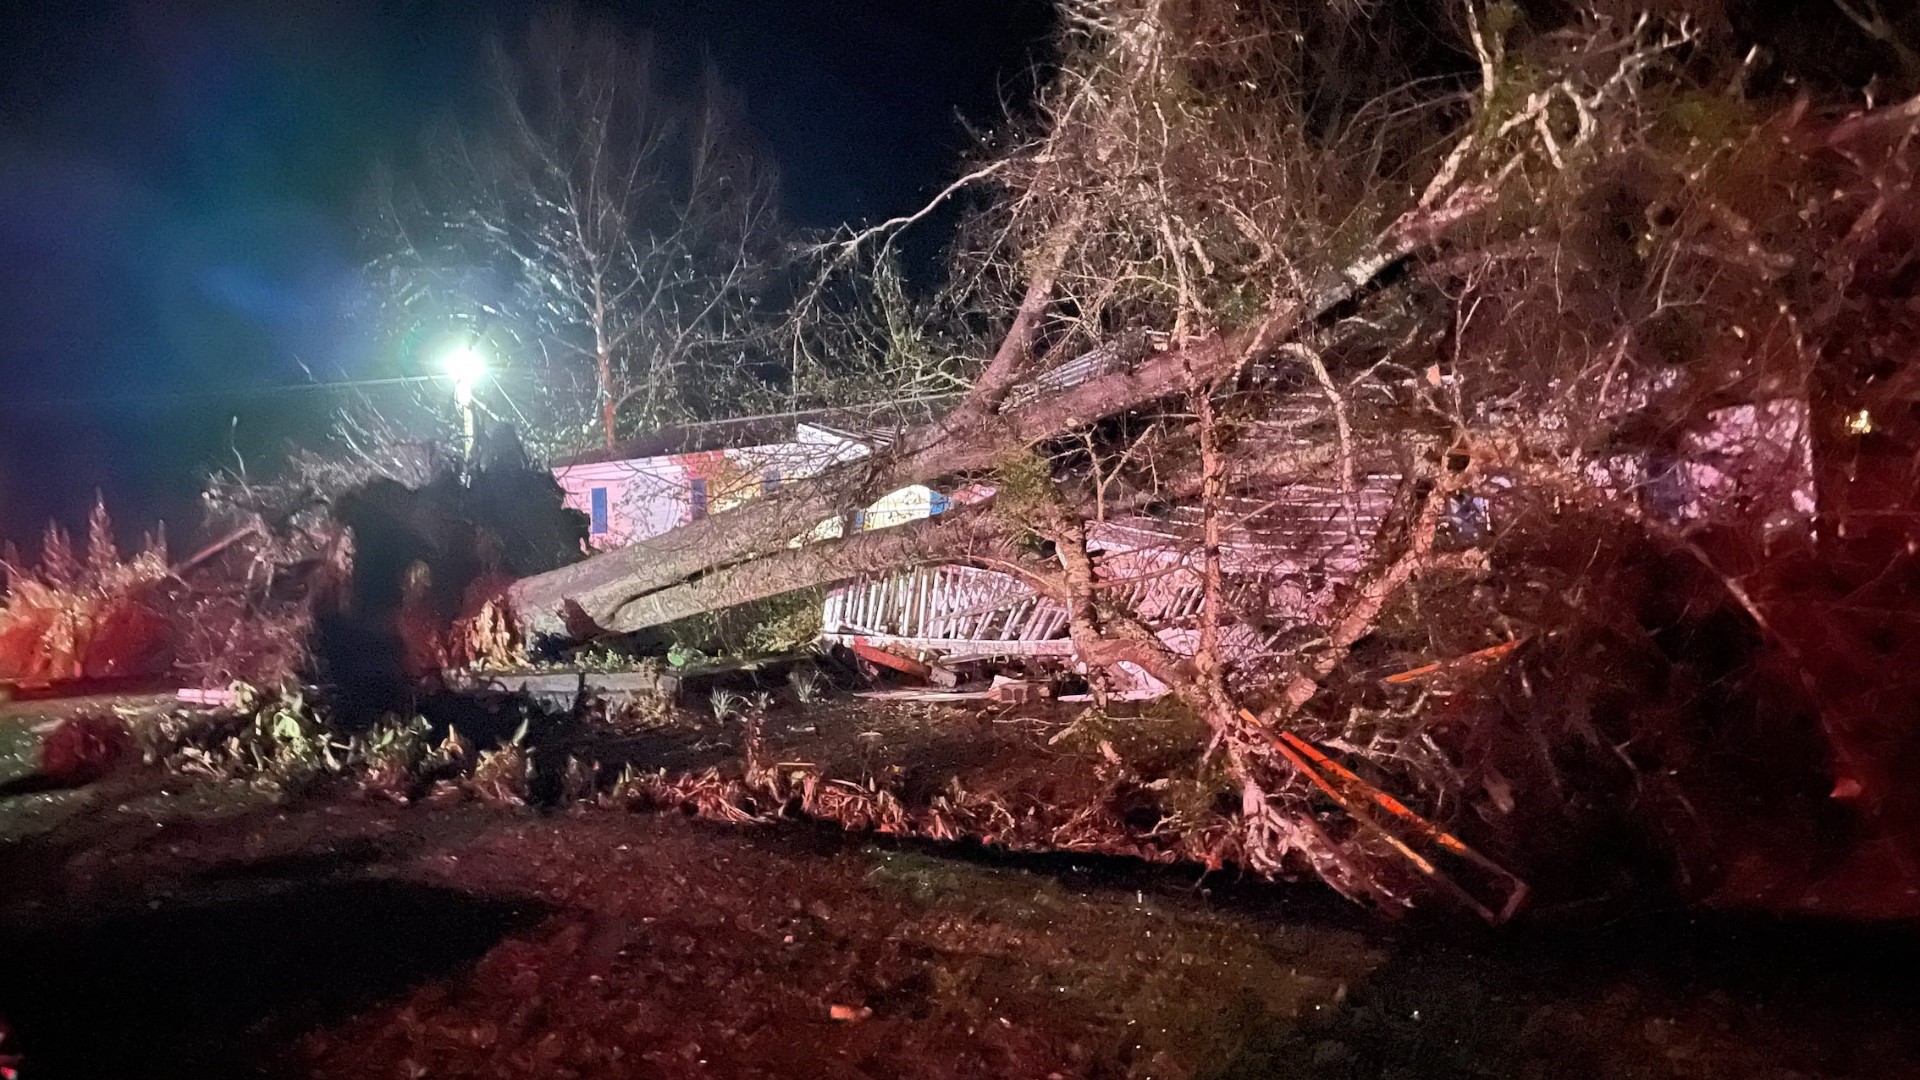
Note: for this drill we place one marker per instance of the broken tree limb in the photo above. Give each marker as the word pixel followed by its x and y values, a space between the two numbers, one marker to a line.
pixel 963 535
pixel 966 441
pixel 615 580
pixel 1103 637
pixel 1015 354
pixel 607 583
pixel 1422 827
pixel 214 550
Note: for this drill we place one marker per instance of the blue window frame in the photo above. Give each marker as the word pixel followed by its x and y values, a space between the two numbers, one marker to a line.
pixel 597 514
pixel 697 497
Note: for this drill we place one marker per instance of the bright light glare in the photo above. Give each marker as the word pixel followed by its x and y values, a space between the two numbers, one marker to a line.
pixel 465 365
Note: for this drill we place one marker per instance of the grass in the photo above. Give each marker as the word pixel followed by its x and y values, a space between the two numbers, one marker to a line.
pixel 17 744
pixel 24 816
pixel 1179 992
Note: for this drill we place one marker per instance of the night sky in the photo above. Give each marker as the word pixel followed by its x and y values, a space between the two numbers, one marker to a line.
pixel 180 183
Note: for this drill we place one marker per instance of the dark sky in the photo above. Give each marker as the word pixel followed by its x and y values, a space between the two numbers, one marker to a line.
pixel 178 189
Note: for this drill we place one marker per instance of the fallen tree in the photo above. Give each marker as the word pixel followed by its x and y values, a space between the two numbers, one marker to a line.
pixel 1597 278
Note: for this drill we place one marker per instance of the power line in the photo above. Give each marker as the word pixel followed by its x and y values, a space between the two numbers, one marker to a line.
pixel 229 393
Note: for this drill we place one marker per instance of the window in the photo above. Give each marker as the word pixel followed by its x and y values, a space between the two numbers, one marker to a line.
pixel 597 512
pixel 770 481
pixel 1469 517
pixel 697 498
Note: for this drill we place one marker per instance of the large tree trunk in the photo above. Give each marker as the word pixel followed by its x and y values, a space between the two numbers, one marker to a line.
pixel 964 536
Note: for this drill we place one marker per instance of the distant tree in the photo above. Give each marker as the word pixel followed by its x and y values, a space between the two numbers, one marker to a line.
pixel 598 228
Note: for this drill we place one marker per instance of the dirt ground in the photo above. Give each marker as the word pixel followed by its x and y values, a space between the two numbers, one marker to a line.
pixel 148 930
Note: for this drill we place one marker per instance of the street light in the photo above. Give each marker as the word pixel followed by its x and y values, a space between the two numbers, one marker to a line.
pixel 465 366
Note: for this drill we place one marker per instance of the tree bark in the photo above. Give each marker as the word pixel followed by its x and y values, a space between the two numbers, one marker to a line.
pixel 962 536
pixel 603 365
pixel 1015 354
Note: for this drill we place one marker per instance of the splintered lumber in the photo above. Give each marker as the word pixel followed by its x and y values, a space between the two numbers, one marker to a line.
pixel 564 686
pixel 1017 691
pixel 920 694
